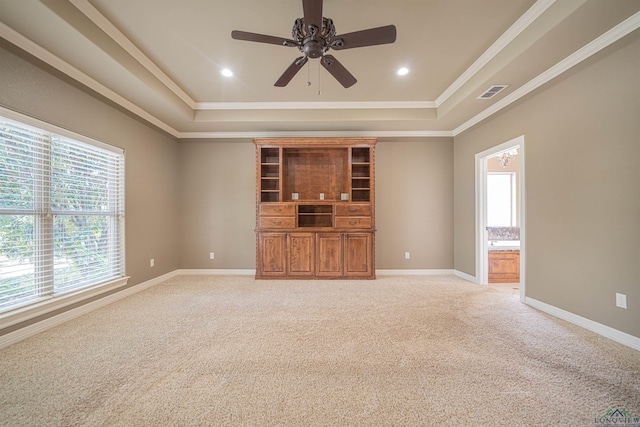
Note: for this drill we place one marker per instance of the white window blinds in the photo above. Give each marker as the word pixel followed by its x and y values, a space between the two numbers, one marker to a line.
pixel 61 214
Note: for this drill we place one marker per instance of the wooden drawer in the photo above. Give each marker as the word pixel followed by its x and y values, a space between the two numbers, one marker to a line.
pixel 278 222
pixel 353 210
pixel 353 222
pixel 278 210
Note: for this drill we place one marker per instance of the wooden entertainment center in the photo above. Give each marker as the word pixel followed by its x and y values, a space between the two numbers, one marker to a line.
pixel 315 208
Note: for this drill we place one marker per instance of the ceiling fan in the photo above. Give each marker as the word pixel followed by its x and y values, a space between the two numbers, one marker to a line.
pixel 314 35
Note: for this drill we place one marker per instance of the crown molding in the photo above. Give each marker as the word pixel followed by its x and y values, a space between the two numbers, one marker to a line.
pixel 514 31
pixel 124 42
pixel 316 134
pixel 312 105
pixel 614 34
pixel 44 55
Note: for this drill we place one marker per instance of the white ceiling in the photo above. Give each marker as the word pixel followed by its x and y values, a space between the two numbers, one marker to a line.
pixel 161 59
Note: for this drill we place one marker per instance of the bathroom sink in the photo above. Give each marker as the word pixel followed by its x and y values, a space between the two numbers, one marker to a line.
pixel 504 245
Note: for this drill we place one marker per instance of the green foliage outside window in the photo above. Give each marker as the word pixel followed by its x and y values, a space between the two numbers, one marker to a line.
pixel 57 204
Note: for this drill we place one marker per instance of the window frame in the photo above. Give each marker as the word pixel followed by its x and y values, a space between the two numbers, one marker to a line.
pixel 43 218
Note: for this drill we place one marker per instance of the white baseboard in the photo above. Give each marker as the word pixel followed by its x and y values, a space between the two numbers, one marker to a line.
pixel 598 328
pixel 465 276
pixel 35 328
pixel 215 272
pixel 403 272
pixel 232 272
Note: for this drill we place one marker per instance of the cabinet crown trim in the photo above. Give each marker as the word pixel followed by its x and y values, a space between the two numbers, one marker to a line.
pixel 315 142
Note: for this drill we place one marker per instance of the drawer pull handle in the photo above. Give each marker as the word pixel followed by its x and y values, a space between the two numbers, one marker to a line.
pixel 277 223
pixel 277 209
pixel 352 222
pixel 352 210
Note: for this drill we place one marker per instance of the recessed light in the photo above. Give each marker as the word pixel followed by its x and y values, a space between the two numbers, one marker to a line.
pixel 402 71
pixel 226 72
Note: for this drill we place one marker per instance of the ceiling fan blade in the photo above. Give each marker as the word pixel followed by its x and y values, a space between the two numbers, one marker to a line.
pixel 312 10
pixel 290 72
pixel 370 37
pixel 338 71
pixel 261 38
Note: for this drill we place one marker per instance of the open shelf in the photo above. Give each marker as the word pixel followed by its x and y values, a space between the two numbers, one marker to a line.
pixel 359 171
pixel 270 184
pixel 360 183
pixel 270 155
pixel 315 215
pixel 360 155
pixel 360 195
pixel 269 197
pixel 360 174
pixel 270 174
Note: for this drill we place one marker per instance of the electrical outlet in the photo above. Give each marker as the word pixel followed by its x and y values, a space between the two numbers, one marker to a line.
pixel 407 255
pixel 152 262
pixel 212 255
pixel 621 300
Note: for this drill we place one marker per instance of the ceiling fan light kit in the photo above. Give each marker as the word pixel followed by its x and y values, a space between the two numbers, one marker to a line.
pixel 314 35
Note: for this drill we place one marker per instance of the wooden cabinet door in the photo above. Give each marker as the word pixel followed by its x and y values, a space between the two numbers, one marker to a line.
pixel 272 249
pixel 329 255
pixel 504 266
pixel 357 255
pixel 301 248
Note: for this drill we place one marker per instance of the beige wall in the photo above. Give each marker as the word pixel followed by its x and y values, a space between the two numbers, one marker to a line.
pixel 217 201
pixel 582 169
pixel 151 158
pixel 414 206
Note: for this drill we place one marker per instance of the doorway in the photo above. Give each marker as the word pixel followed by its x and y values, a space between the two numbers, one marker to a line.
pixel 514 215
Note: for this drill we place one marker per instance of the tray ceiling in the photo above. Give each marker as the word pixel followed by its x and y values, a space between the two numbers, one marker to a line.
pixel 161 60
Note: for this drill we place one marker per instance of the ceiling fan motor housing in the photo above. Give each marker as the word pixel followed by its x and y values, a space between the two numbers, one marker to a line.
pixel 313 41
pixel 313 48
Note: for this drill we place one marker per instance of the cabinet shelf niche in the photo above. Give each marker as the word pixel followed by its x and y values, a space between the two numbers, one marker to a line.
pixel 315 215
pixel 361 195
pixel 270 174
pixel 314 173
pixel 270 155
pixel 360 155
pixel 360 174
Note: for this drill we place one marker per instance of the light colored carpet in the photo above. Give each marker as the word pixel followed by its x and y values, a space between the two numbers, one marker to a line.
pixel 398 351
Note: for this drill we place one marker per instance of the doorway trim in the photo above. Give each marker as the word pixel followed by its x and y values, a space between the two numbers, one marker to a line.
pixel 482 247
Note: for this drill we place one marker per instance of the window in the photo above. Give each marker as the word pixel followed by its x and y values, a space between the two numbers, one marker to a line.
pixel 501 199
pixel 61 213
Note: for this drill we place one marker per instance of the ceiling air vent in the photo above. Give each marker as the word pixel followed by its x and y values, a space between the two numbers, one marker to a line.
pixel 492 91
